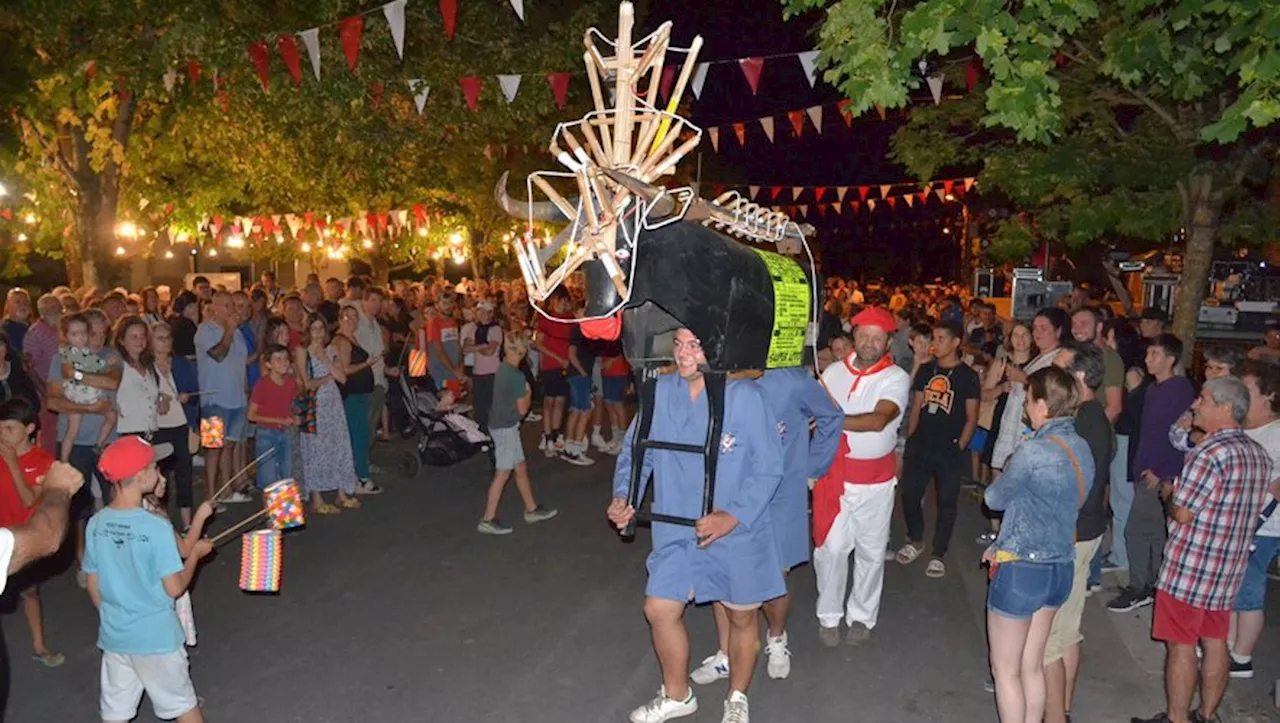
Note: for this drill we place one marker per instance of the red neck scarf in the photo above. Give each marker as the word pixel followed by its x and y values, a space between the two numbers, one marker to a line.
pixel 858 374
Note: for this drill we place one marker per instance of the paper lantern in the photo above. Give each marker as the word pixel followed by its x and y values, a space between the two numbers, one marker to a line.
pixel 284 504
pixel 212 430
pixel 260 560
pixel 417 363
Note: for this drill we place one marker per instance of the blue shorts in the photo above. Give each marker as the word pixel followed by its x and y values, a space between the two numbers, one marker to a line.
pixel 233 420
pixel 1020 588
pixel 614 389
pixel 1253 590
pixel 979 441
pixel 580 394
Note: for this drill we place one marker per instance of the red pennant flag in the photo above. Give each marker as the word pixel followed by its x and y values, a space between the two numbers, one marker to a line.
pixel 216 225
pixel 382 222
pixel 971 73
pixel 1061 60
pixel 797 121
pixel 773 192
pixel 893 201
pixel 6 214
pixel 307 219
pixel 559 86
pixel 668 80
pixel 946 186
pixel 471 90
pixel 740 130
pixel 292 60
pixel 375 90
pixel 819 192
pixel 843 109
pixel 320 225
pixel 420 213
pixel 751 68
pixel 349 30
pixel 856 205
pixel 449 13
pixel 193 72
pixel 822 210
pixel 90 69
pixel 717 189
pixel 268 226
pixel 923 196
pixel 339 229
pixel 863 191
pixel 261 64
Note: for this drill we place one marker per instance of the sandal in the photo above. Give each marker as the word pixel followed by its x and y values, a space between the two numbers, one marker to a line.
pixel 936 568
pixel 368 487
pixel 908 553
pixel 324 508
pixel 350 503
pixel 49 660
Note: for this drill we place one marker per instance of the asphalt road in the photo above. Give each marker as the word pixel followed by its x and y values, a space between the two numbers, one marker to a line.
pixel 400 611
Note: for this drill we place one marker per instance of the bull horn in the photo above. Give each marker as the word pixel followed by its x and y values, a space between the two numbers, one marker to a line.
pixel 665 206
pixel 542 210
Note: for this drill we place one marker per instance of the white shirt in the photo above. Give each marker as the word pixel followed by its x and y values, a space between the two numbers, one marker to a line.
pixel 1268 435
pixel 892 384
pixel 469 337
pixel 136 400
pixel 6 553
pixel 175 417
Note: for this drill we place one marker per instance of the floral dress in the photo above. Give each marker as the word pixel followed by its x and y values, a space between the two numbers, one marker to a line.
pixel 327 462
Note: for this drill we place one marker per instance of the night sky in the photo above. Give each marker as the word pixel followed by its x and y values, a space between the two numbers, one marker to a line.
pixel 901 244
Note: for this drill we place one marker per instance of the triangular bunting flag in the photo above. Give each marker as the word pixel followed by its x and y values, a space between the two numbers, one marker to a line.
pixel 349 31
pixel 294 223
pixel 510 86
pixel 170 80
pixel 893 201
pixel 935 88
pixel 753 191
pixel 884 190
pixel 968 183
pixel 803 209
pixel 971 74
pixel 815 115
pixel 863 191
pixel 559 86
pixel 840 192
pixel 740 130
pixel 394 11
pixel 947 186
pixel 376 89
pixel 311 39
pixel 797 121
pixel 923 196
pixel 292 60
pixel 838 208
pixel 855 205
pixel 880 110
pixel 910 199
pixel 420 90
pixel 819 192
pixel 940 194
pixel 822 210
pixel 871 204
pixel 928 186
pixel 774 192
pixel 717 189
pixel 795 192
pixel 767 124
pixel 751 68
pixel 714 135
pixel 668 80
pixel 842 108
pixel 809 61
pixel 518 6
pixel 261 64
pixel 471 90
pixel 699 79
pixel 449 14
pixel 193 72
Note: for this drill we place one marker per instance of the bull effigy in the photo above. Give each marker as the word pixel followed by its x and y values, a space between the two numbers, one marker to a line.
pixel 657 259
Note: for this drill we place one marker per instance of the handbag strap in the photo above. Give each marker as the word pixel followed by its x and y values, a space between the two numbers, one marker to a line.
pixel 1075 463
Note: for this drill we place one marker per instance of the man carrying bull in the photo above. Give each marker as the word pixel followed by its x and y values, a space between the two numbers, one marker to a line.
pixel 729 556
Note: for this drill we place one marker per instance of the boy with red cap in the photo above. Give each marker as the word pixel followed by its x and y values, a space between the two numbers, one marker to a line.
pixel 853 502
pixel 135 574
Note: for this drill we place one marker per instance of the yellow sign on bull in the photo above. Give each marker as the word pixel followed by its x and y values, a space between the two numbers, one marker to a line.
pixel 791 310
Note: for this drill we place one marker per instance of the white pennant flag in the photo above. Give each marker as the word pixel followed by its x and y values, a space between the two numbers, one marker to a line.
pixel 767 124
pixel 395 19
pixel 935 87
pixel 815 115
pixel 510 86
pixel 871 204
pixel 753 191
pixel 910 198
pixel 840 191
pixel 941 194
pixel 795 192
pixel 809 61
pixel 968 183
pixel 420 90
pixel 170 79
pixel 362 225
pixel 294 223
pixel 518 6
pixel 884 190
pixel 804 210
pixel 311 39
pixel 699 78
pixel 714 134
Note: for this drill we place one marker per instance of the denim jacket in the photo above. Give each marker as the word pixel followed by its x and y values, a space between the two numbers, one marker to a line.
pixel 1040 494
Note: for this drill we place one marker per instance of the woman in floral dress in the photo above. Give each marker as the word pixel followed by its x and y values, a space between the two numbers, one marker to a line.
pixel 327 462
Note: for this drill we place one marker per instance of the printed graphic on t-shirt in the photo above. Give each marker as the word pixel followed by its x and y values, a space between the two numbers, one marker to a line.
pixel 938 395
pixel 448 334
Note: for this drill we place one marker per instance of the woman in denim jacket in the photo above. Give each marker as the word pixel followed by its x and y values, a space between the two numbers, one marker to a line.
pixel 1043 485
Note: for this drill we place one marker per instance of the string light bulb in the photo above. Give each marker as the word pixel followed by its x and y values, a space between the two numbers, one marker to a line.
pixel 168 254
pixel 30 219
pixel 126 229
pixel 455 239
pixel 235 242
pixel 120 251
pixel 422 231
pixel 213 253
pixel 367 243
pixel 305 248
pixel 3 191
pixel 22 237
pixel 950 197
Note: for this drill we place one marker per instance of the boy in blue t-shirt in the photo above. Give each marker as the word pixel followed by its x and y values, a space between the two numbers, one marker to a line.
pixel 135 574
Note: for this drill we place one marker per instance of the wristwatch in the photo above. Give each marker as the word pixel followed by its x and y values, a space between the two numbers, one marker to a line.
pixel 78 376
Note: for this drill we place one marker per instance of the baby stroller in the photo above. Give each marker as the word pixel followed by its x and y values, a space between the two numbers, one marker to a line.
pixel 443 436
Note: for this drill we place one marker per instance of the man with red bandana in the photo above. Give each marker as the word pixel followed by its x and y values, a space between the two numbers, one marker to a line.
pixel 853 502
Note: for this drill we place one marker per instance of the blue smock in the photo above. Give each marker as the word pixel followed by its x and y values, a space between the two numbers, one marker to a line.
pixel 796 397
pixel 741 567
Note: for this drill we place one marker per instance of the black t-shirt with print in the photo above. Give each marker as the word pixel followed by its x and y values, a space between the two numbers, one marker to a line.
pixel 945 390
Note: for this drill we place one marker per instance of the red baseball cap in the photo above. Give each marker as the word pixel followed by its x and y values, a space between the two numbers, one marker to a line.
pixel 128 456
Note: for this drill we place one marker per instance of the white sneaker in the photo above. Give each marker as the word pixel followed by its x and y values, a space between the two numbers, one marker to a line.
pixel 779 656
pixel 237 498
pixel 662 708
pixel 573 456
pixel 712 669
pixel 735 709
pixel 615 448
pixel 599 443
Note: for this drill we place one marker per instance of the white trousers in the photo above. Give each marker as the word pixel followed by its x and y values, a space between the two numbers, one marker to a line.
pixel 861 527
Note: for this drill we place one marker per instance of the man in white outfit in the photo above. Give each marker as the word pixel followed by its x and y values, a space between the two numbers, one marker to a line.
pixel 853 502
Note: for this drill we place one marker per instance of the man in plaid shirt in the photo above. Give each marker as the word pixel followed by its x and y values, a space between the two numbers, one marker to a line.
pixel 1213 514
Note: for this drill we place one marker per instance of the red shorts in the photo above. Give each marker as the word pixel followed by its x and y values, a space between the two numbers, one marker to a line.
pixel 1177 622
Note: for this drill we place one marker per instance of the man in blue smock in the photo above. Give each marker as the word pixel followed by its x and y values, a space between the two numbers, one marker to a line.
pixel 730 555
pixel 795 398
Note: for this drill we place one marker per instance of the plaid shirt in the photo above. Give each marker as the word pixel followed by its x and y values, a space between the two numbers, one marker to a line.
pixel 1223 483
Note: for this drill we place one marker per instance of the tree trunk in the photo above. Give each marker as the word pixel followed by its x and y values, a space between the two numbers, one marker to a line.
pixel 476 252
pixel 380 268
pixel 1203 211
pixel 95 229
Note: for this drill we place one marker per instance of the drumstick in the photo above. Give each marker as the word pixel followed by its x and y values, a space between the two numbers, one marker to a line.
pixel 236 476
pixel 227 532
